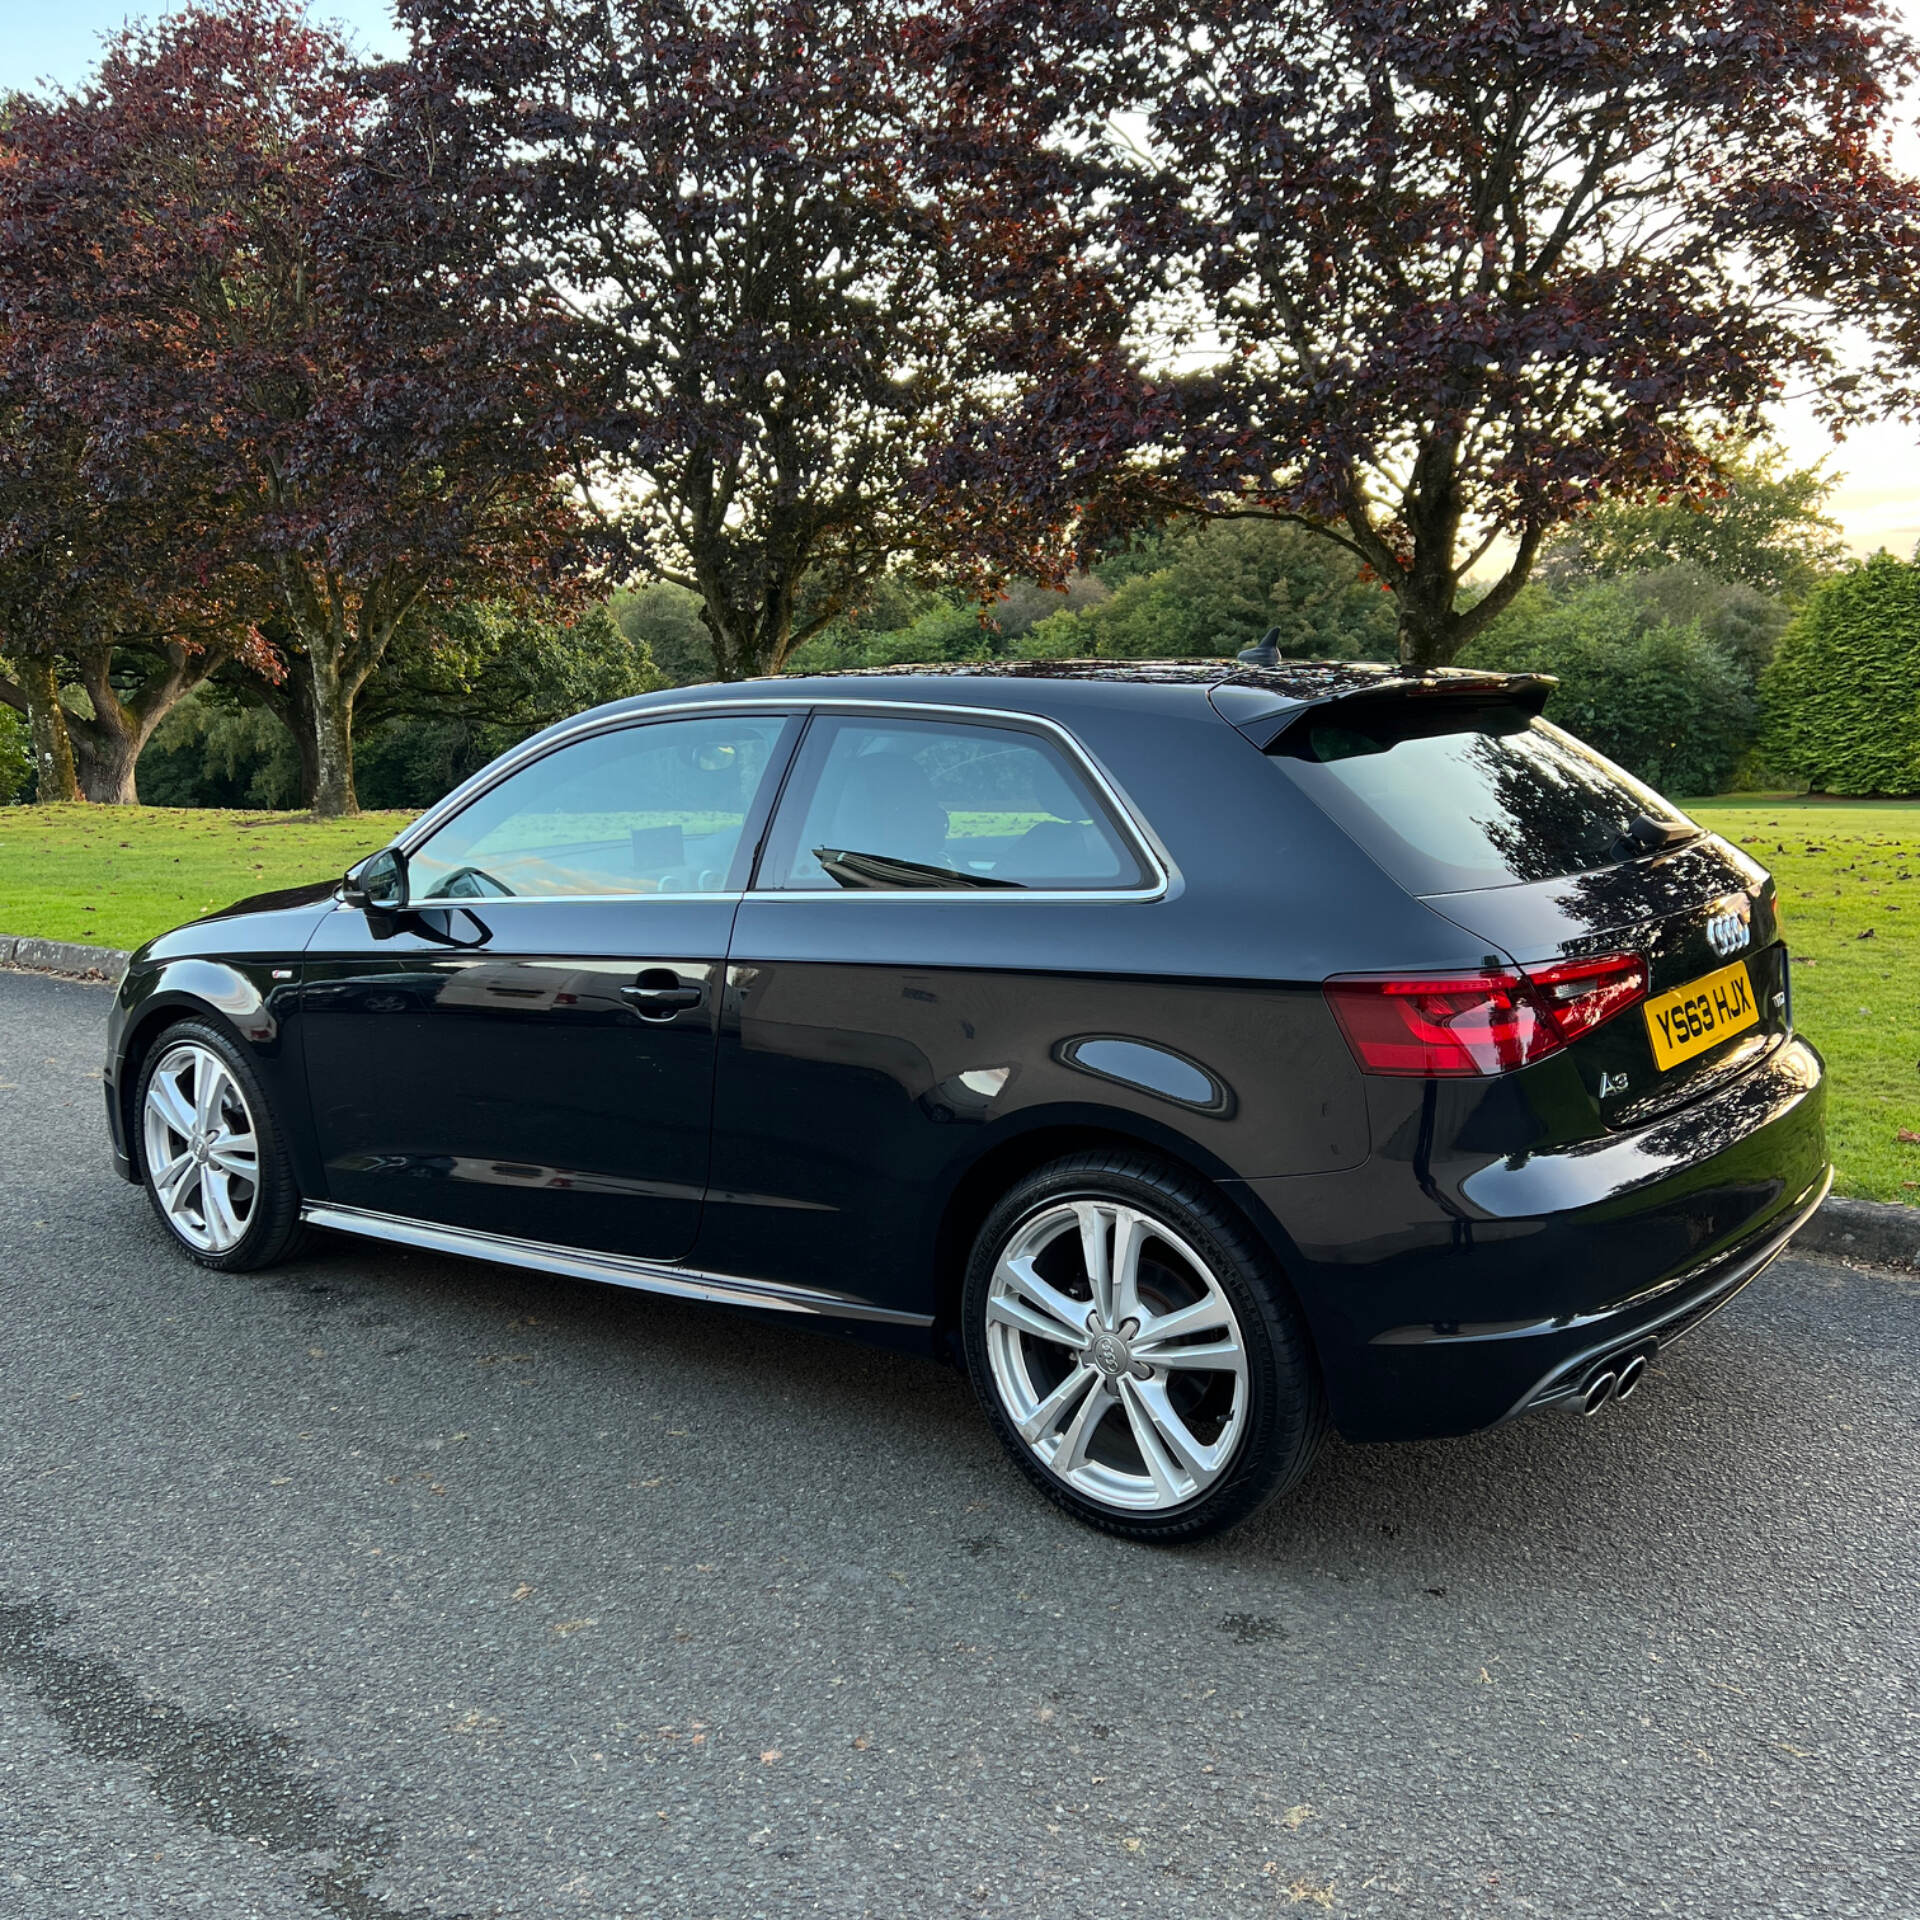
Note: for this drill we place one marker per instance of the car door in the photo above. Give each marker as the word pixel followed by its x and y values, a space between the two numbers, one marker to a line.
pixel 527 1049
pixel 913 948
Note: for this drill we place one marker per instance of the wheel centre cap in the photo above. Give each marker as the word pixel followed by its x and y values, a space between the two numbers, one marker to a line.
pixel 1110 1354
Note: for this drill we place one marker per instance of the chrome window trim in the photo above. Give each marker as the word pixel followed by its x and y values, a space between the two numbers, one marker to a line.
pixel 1146 843
pixel 448 902
pixel 610 1269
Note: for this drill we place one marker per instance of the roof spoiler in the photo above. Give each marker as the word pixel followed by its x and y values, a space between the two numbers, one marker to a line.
pixel 1266 716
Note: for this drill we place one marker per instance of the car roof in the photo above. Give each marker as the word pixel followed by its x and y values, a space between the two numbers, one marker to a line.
pixel 1060 685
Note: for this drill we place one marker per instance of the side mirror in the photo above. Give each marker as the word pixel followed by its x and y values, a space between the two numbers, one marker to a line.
pixel 378 884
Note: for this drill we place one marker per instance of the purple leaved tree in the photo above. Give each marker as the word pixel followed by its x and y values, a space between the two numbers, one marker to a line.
pixel 1434 280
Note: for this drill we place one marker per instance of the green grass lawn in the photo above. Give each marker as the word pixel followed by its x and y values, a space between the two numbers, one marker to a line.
pixel 1849 876
pixel 1849 879
pixel 115 876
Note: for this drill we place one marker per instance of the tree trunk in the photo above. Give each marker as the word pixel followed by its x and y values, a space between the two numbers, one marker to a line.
pixel 54 776
pixel 104 758
pixel 107 747
pixel 1426 636
pixel 333 793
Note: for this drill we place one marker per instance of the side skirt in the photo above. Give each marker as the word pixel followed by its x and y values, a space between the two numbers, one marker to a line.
pixel 611 1269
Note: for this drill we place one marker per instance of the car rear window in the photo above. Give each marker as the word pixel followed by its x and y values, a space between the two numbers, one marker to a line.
pixel 1482 797
pixel 885 803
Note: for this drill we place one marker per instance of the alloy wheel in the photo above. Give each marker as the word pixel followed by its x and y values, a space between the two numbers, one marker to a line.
pixel 1116 1354
pixel 202 1150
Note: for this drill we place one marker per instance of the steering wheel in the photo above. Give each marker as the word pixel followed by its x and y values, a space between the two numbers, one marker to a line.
pixel 470 883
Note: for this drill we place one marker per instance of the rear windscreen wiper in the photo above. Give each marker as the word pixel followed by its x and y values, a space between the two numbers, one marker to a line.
pixel 1644 834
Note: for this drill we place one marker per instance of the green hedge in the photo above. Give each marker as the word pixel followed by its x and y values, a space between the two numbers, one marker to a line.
pixel 1842 696
pixel 1665 701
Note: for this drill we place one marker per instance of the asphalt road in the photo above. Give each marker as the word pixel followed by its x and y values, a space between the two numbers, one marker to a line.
pixel 385 1586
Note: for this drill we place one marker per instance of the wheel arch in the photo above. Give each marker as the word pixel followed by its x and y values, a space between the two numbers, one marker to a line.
pixel 1007 1161
pixel 207 990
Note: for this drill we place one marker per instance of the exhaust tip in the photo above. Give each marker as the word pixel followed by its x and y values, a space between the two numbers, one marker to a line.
pixel 1600 1389
pixel 1631 1375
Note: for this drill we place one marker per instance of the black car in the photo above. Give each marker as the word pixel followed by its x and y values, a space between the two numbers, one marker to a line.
pixel 1206 1052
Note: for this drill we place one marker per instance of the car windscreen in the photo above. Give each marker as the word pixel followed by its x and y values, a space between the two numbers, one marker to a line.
pixel 1474 797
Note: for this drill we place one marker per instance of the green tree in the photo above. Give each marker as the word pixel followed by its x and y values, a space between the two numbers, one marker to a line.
pixel 665 619
pixel 473 680
pixel 944 629
pixel 212 751
pixel 1746 622
pixel 1664 700
pixel 1207 588
pixel 1755 522
pixel 16 757
pixel 459 685
pixel 1842 697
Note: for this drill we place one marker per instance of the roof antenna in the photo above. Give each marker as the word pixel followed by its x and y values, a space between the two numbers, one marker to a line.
pixel 1266 654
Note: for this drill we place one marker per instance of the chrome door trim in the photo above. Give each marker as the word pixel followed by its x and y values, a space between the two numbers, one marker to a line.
pixel 611 1269
pixel 1146 842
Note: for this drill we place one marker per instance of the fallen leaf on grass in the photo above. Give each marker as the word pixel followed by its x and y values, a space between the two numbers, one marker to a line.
pixel 1907 1137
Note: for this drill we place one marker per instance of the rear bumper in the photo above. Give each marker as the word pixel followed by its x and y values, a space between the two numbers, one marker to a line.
pixel 1476 1290
pixel 1700 1295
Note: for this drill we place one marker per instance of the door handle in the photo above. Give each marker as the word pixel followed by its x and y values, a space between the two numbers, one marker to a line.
pixel 658 995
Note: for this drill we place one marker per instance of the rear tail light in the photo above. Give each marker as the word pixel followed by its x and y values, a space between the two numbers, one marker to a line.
pixel 1580 994
pixel 1480 1023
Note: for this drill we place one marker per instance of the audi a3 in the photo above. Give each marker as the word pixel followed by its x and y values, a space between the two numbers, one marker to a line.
pixel 1201 1054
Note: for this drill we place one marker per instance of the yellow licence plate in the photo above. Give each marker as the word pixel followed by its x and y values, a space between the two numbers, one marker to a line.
pixel 1690 1019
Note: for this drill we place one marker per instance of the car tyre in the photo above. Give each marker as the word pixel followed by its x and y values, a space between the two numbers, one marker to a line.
pixel 212 1156
pixel 1137 1350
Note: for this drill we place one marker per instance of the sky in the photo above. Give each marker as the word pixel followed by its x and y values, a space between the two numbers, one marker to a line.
pixel 58 40
pixel 1876 500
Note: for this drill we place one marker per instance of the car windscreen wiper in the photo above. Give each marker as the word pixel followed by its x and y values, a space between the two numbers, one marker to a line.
pixel 885 870
pixel 1644 834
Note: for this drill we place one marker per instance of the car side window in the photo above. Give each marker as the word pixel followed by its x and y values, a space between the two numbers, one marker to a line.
pixel 651 809
pixel 889 805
